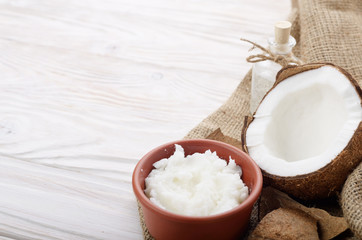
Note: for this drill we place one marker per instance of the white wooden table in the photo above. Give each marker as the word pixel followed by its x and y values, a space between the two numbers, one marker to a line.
pixel 88 87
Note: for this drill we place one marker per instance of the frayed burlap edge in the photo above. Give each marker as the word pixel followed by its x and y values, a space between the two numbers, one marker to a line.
pixel 351 201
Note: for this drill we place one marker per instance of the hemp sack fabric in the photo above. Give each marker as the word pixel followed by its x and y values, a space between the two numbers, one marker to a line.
pixel 351 201
pixel 326 31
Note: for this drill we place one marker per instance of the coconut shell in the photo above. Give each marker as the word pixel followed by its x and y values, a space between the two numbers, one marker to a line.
pixel 328 226
pixel 328 180
pixel 285 224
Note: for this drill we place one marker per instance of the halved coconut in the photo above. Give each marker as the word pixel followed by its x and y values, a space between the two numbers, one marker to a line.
pixel 306 134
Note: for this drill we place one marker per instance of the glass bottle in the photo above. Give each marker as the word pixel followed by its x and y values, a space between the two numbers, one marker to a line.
pixel 264 72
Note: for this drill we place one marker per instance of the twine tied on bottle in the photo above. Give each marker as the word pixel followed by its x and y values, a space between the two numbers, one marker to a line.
pixel 283 60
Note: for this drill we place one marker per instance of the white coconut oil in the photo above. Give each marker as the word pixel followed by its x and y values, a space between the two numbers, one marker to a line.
pixel 200 184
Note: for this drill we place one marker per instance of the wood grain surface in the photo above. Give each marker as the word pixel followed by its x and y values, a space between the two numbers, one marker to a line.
pixel 88 87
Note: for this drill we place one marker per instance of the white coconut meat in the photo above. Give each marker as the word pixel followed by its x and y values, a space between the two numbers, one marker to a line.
pixel 304 122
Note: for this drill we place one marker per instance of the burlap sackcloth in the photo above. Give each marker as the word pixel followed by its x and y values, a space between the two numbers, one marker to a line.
pixel 351 201
pixel 326 31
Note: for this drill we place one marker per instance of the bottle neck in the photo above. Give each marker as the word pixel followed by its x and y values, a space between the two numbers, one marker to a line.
pixel 281 49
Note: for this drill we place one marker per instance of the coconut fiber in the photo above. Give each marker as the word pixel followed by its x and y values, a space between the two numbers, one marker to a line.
pixel 326 31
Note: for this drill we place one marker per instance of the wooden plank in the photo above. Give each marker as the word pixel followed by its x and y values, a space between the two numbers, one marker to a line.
pixel 88 87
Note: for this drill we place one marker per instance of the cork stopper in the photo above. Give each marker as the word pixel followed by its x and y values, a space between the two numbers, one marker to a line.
pixel 282 32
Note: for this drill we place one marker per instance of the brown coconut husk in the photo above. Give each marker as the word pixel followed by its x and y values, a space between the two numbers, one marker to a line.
pixel 328 180
pixel 328 226
pixel 285 224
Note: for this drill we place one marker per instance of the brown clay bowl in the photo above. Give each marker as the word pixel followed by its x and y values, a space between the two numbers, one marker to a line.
pixel 231 224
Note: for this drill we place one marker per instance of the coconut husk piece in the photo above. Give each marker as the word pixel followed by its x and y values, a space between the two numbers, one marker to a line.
pixel 328 226
pixel 286 223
